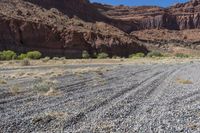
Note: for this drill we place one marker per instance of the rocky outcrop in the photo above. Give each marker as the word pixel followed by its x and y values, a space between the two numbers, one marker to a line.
pixel 26 26
pixel 67 27
pixel 166 21
pixel 73 8
pixel 177 17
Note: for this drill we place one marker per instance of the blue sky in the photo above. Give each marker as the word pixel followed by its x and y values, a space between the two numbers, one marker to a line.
pixel 162 3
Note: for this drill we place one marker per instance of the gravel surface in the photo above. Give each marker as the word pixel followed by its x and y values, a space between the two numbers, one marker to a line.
pixel 117 98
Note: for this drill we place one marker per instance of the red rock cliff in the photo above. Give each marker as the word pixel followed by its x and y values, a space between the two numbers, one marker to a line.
pixel 26 26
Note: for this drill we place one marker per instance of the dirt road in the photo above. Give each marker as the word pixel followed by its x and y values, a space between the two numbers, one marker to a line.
pixel 121 98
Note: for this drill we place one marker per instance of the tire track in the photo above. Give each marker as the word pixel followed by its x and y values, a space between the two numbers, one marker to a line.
pixel 74 120
pixel 59 103
pixel 155 80
pixel 84 88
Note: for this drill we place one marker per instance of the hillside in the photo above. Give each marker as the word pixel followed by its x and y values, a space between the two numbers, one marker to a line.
pixel 26 26
pixel 68 27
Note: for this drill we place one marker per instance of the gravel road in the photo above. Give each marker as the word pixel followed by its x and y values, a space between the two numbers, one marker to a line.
pixel 121 98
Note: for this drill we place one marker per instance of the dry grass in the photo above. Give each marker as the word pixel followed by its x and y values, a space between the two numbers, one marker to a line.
pixel 47 88
pixel 104 126
pixel 15 90
pixel 20 74
pixel 58 115
pixel 25 62
pixel 33 74
pixel 45 60
pixel 2 81
pixel 52 92
pixel 48 116
pixel 99 81
pixel 51 62
pixel 183 81
pixel 99 70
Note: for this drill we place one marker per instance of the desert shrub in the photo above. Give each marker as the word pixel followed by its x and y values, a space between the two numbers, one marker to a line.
pixel 15 89
pixel 102 56
pixel 34 55
pixel 45 86
pixel 155 54
pixel 85 55
pixel 140 55
pixel 116 57
pixel 42 87
pixel 8 55
pixel 94 55
pixel 1 56
pixel 181 55
pixel 137 55
pixel 46 59
pixel 55 58
pixel 62 58
pixel 25 62
pixel 22 56
pixel 3 81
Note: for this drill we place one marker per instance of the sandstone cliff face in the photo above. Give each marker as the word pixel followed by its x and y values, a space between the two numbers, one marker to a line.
pixel 79 8
pixel 160 28
pixel 166 21
pixel 26 26
pixel 177 17
pixel 83 10
pixel 67 27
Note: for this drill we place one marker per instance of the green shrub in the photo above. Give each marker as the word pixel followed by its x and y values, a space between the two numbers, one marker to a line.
pixel 137 55
pixel 45 86
pixel 102 56
pixel 22 56
pixel 94 55
pixel 42 87
pixel 181 55
pixel 8 55
pixel 34 55
pixel 155 54
pixel 85 55
pixel 1 56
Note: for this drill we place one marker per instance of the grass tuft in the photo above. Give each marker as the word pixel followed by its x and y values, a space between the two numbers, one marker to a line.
pixel 181 55
pixel 183 81
pixel 25 62
pixel 2 81
pixel 46 87
pixel 15 90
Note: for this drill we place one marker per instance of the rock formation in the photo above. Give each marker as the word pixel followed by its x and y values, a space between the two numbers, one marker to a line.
pixel 67 27
pixel 178 25
pixel 26 26
pixel 177 17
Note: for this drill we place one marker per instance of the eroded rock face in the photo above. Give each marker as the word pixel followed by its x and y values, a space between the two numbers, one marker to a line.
pixel 79 8
pixel 177 17
pixel 26 26
pixel 67 27
pixel 129 19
